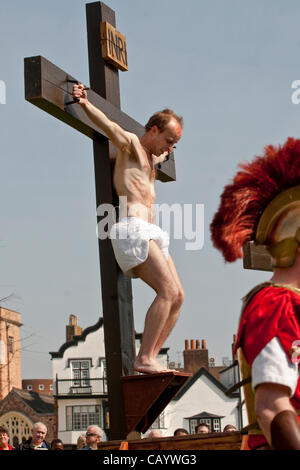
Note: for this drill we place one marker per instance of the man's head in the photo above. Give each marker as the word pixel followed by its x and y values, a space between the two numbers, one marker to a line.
pixel 181 432
pixel 3 437
pixel 39 432
pixel 93 436
pixel 229 428
pixel 202 428
pixel 57 444
pixel 163 131
pixel 154 434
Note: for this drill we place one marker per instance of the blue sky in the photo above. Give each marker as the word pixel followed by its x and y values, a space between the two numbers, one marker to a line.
pixel 225 66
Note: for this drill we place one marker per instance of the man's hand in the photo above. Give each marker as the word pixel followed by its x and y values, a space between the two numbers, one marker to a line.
pixel 161 158
pixel 80 93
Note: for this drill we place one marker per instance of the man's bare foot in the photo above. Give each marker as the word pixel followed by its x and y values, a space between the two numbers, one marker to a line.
pixel 150 366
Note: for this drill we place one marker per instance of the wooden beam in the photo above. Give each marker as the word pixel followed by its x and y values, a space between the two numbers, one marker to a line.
pixel 210 441
pixel 47 87
pixel 116 287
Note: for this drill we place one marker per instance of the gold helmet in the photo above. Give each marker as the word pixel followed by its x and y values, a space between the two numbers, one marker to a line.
pixel 262 206
pixel 279 228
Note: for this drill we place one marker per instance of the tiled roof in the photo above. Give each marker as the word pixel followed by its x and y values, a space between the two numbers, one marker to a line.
pixel 39 402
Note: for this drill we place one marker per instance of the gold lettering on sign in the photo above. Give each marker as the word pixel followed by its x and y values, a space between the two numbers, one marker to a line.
pixel 114 48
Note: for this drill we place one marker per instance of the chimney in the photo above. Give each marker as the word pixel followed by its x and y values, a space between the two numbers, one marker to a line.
pixel 72 329
pixel 195 358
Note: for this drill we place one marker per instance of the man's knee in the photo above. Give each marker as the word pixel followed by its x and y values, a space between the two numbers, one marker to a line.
pixel 178 298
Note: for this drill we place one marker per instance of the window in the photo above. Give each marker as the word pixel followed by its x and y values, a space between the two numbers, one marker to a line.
pixel 41 387
pixel 159 423
pixel 51 387
pixel 193 424
pixel 78 418
pixel 104 374
pixel 10 344
pixel 29 387
pixel 216 425
pixel 205 421
pixel 81 373
pixel 213 423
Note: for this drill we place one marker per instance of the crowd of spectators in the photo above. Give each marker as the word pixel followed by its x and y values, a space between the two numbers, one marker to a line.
pixel 87 441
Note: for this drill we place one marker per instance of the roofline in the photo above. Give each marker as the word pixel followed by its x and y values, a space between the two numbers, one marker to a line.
pixel 90 329
pixel 75 340
pixel 195 377
pixel 15 391
pixel 205 414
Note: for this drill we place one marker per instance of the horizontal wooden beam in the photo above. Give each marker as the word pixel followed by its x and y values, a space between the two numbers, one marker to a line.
pixel 49 87
pixel 210 441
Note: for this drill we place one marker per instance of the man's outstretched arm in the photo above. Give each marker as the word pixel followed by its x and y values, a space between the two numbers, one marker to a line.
pixel 118 136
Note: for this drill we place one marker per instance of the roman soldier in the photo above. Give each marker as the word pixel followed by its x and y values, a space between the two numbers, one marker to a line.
pixel 259 214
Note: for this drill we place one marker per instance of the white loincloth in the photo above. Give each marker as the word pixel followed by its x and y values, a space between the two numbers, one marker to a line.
pixel 130 240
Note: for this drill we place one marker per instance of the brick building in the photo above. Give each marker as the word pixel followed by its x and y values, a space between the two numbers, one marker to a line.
pixel 10 351
pixel 19 409
pixel 38 385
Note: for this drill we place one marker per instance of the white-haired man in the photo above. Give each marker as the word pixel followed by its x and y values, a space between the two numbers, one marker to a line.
pixel 37 440
pixel 93 437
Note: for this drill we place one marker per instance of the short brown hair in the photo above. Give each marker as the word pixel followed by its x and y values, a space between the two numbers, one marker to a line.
pixel 162 118
pixel 199 425
pixel 3 429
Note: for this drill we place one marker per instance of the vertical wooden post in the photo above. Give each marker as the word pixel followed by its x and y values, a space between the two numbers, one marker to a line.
pixel 116 287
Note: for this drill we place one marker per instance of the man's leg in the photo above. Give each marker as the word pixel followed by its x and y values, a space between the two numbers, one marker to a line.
pixel 172 319
pixel 156 272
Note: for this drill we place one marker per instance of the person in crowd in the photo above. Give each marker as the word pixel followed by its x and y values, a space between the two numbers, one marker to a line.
pixel 202 428
pixel 154 433
pixel 181 432
pixel 93 437
pixel 4 438
pixel 57 444
pixel 229 428
pixel 15 443
pixel 81 441
pixel 37 440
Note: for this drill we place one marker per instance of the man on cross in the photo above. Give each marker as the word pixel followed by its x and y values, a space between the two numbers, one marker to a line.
pixel 140 246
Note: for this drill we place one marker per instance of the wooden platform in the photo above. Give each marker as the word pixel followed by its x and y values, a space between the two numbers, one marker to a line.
pixel 211 441
pixel 147 395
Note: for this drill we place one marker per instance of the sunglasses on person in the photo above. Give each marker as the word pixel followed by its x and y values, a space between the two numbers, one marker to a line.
pixel 91 434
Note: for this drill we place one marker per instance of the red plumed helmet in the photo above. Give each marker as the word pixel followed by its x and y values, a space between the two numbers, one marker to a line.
pixel 253 188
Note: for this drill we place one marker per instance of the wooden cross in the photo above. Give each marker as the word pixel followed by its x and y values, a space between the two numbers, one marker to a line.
pixel 50 88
